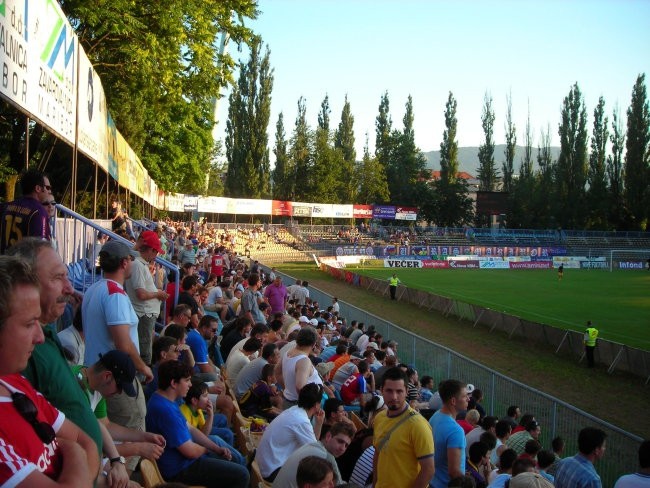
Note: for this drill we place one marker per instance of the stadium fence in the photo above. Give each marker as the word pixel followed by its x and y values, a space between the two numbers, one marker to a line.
pixel 557 418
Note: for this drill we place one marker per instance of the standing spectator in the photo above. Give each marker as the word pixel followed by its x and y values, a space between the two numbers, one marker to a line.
pixel 276 294
pixel 640 479
pixel 109 323
pixel 143 293
pixel 26 216
pixel 249 304
pixel 187 255
pixel 578 471
pixel 557 444
pixel 41 447
pixel 402 439
pixel 118 221
pixel 448 436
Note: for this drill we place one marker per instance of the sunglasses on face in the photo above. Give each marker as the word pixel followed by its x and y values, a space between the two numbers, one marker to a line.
pixel 27 410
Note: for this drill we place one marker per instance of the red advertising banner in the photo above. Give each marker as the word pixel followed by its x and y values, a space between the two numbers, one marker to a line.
pixel 531 265
pixel 281 208
pixel 431 263
pixel 362 211
pixel 465 264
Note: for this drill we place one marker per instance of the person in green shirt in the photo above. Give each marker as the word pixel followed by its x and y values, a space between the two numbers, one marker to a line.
pixel 48 370
pixel 393 281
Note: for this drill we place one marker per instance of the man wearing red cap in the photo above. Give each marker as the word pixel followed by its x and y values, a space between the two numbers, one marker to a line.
pixel 142 291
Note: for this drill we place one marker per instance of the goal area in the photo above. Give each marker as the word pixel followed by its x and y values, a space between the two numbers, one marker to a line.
pixel 628 259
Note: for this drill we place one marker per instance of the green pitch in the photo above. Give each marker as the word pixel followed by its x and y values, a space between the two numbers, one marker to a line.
pixel 617 303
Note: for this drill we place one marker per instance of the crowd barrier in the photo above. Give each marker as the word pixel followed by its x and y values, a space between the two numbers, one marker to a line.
pixel 557 418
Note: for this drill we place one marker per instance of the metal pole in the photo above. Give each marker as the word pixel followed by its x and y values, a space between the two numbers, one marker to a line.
pixel 27 142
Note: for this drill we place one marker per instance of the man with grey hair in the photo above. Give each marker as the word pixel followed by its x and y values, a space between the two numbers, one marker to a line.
pixel 47 369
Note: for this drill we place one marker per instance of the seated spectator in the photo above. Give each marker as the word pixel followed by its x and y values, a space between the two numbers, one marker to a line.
pixel 557 444
pixel 470 422
pixel 190 456
pixel 518 441
pixel 112 374
pixel 478 463
pixel 296 369
pixel 259 331
pixel 334 444
pixel 502 431
pixel 426 389
pixel 252 372
pixel 525 420
pixel 346 370
pixel 487 424
pixel 504 473
pixel 242 328
pixel 72 340
pixel 355 389
pixel 240 357
pixel 544 460
pixel 262 398
pixel 314 472
pixel 179 332
pixel 475 400
pixel 513 414
pixel 531 449
pixel 199 412
pixel 32 430
pixel 334 413
pixel 290 430
pixel 528 479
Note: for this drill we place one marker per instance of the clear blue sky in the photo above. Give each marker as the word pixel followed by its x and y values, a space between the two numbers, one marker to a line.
pixel 534 49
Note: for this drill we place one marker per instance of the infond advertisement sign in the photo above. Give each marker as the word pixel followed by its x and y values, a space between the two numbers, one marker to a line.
pixel 630 265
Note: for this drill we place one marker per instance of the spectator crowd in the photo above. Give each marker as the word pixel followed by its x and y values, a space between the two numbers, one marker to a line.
pixel 243 379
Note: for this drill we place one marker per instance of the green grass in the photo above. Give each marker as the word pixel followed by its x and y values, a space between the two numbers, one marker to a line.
pixel 617 303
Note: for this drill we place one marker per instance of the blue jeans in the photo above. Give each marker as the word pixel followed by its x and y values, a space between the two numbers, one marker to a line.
pixel 213 471
pixel 220 428
pixel 236 455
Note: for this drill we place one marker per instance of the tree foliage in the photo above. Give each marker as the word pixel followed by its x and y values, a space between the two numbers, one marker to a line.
pixel 511 142
pixel 487 172
pixel 371 179
pixel 282 181
pixel 572 162
pixel 344 142
pixel 160 67
pixel 449 144
pixel 617 213
pixel 383 128
pixel 249 112
pixel 597 201
pixel 637 156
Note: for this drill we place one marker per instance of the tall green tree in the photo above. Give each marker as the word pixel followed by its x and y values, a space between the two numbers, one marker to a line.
pixel 545 208
pixel 487 172
pixel 161 67
pixel 327 161
pixel 300 153
pixel 371 179
pixel 449 144
pixel 617 211
pixel 282 173
pixel 597 197
pixel 520 209
pixel 384 129
pixel 637 156
pixel 249 112
pixel 452 205
pixel 572 162
pixel 344 142
pixel 406 162
pixel 511 144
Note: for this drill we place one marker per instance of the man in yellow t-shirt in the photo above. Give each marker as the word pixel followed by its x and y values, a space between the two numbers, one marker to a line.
pixel 403 440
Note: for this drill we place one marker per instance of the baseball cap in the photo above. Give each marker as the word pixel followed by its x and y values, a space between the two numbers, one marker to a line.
pixel 314 322
pixel 373 345
pixel 150 239
pixel 303 319
pixel 121 365
pixel 324 368
pixel 118 250
pixel 470 388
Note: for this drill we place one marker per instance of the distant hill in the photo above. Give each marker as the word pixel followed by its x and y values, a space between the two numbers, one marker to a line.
pixel 468 158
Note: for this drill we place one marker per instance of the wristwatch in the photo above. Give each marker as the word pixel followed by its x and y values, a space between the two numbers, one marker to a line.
pixel 118 459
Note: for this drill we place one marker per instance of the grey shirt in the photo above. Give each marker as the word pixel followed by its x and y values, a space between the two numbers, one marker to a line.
pixel 286 478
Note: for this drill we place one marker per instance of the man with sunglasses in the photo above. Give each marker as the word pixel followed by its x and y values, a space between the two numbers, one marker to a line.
pixel 26 215
pixel 37 441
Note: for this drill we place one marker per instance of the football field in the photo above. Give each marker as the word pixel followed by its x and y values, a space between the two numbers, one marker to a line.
pixel 617 303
